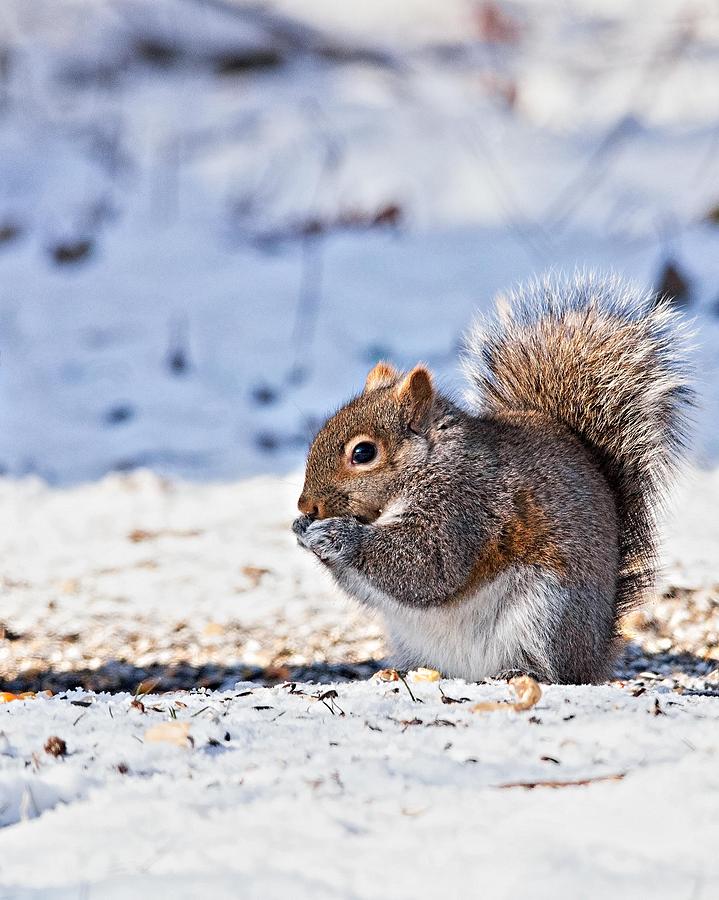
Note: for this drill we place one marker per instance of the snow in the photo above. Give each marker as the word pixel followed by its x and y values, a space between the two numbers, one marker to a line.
pixel 26 797
pixel 391 798
pixel 44 547
pixel 219 167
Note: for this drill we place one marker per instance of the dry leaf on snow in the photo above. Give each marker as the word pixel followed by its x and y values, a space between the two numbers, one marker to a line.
pixel 177 733
pixel 387 675
pixel 8 696
pixel 528 694
pixel 422 674
pixel 527 690
pixel 255 574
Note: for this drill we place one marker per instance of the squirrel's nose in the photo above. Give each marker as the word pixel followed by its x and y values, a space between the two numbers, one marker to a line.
pixel 307 506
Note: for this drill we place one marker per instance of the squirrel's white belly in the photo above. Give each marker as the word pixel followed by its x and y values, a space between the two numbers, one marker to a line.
pixel 489 632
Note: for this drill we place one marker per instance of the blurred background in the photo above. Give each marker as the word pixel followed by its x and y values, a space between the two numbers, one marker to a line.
pixel 215 215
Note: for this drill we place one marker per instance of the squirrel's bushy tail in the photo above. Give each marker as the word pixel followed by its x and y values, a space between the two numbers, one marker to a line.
pixel 603 358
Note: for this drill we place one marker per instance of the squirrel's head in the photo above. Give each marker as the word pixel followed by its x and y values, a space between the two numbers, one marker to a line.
pixel 356 459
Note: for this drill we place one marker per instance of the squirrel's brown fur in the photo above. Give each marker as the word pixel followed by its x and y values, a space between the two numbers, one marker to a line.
pixel 512 536
pixel 610 364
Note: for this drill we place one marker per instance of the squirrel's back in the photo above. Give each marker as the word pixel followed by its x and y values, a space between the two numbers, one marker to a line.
pixel 608 362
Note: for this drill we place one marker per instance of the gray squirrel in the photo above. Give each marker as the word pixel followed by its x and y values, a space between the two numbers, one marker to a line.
pixel 511 535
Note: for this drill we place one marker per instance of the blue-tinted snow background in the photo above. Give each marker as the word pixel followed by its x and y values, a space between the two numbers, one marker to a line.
pixel 215 215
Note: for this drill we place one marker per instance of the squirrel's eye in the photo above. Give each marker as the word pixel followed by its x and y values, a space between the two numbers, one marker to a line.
pixel 363 453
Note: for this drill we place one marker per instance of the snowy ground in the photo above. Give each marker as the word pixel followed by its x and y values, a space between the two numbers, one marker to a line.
pixel 367 794
pixel 214 217
pixel 137 584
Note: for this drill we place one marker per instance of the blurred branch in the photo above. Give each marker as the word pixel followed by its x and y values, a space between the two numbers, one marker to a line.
pixel 295 36
pixel 308 305
pixel 529 233
pixel 310 295
pixel 597 164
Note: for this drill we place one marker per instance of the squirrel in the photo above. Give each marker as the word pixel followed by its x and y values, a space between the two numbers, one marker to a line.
pixel 512 533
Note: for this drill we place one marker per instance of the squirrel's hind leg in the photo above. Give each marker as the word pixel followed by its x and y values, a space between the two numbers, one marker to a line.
pixel 557 632
pixel 582 644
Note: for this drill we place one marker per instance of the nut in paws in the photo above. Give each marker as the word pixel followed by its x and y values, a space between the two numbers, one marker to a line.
pixel 331 539
pixel 300 526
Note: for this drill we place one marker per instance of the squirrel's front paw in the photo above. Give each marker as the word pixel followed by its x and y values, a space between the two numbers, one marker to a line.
pixel 331 540
pixel 300 526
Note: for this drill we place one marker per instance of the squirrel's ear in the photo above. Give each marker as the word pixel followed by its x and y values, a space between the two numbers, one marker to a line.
pixel 383 375
pixel 416 392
